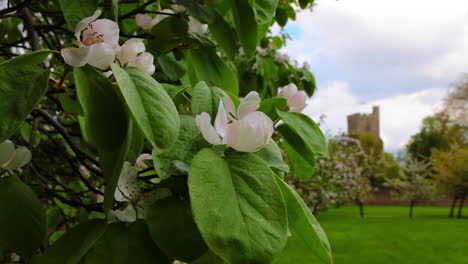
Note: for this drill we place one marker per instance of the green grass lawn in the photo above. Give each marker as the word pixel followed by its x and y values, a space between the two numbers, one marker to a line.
pixel 387 235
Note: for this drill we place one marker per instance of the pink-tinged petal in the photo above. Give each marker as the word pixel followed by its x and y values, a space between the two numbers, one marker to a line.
pixel 208 131
pixel 229 108
pixel 249 104
pixel 288 91
pixel 249 134
pixel 76 57
pixel 145 21
pixel 144 62
pixel 195 26
pixel 101 55
pixel 140 162
pixel 221 120
pixel 84 172
pixel 7 148
pixel 84 23
pixel 101 30
pixel 20 157
pixel 297 102
pixel 178 8
pixel 160 17
pixel 130 49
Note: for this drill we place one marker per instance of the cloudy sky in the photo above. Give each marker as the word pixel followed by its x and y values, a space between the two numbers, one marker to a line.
pixel 401 55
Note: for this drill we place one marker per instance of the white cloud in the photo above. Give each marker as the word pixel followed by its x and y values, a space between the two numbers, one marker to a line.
pixel 400 116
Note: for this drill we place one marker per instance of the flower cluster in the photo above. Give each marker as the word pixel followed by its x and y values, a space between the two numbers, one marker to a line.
pixel 12 158
pixel 98 45
pixel 147 22
pixel 296 99
pixel 245 130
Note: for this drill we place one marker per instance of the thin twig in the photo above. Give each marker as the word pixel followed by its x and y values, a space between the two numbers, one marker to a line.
pixel 137 10
pixel 15 8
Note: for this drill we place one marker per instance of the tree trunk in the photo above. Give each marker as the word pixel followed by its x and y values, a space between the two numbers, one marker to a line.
pixel 361 207
pixel 460 208
pixel 454 203
pixel 411 208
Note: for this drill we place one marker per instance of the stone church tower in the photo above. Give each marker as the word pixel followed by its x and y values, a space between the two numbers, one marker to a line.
pixel 365 123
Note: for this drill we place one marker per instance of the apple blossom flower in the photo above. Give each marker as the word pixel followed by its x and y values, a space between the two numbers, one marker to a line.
pixel 12 158
pixel 296 99
pixel 97 41
pixel 84 172
pixel 132 53
pixel 197 27
pixel 245 130
pixel 147 22
pixel 140 162
pixel 178 8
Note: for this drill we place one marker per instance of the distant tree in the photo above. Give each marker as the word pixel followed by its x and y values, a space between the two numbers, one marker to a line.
pixel 452 174
pixel 392 169
pixel 456 103
pixel 414 184
pixel 375 160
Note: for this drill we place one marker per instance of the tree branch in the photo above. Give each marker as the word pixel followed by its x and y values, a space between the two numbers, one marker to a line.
pixel 16 7
pixel 137 10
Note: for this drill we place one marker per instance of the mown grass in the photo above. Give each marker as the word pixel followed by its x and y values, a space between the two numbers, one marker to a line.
pixel 387 235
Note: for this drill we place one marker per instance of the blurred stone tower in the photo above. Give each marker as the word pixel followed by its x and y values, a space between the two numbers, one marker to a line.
pixel 365 123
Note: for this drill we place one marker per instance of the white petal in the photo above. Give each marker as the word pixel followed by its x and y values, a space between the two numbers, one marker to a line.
pixel 297 102
pixel 85 22
pixel 7 148
pixel 288 90
pixel 208 131
pixel 76 57
pixel 229 108
pixel 221 120
pixel 144 62
pixel 249 134
pixel 160 17
pixel 178 8
pixel 101 55
pixel 84 172
pixel 107 29
pixel 145 21
pixel 195 26
pixel 249 104
pixel 140 162
pixel 127 186
pixel 21 157
pixel 130 49
pixel 128 214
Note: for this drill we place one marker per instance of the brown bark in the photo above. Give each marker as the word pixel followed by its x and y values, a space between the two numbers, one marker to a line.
pixel 454 204
pixel 411 208
pixel 460 208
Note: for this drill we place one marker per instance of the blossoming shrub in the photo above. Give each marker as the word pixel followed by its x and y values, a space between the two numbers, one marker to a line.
pixel 153 132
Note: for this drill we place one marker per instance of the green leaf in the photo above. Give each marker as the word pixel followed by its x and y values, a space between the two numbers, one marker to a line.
pixel 271 153
pixel 22 85
pixel 150 106
pixel 22 218
pixel 269 106
pixel 111 247
pixel 304 3
pixel 208 258
pixel 223 34
pixel 264 10
pixel 173 90
pixel 301 167
pixel 303 134
pixel 277 42
pixel 107 124
pixel 202 13
pixel 246 25
pixel 189 142
pixel 73 245
pixel 173 68
pixel 208 67
pixel 136 143
pixel 281 16
pixel 238 206
pixel 308 242
pixel 308 82
pixel 142 249
pixel 111 9
pixel 167 35
pixel 173 229
pixel 69 104
pixel 206 99
pixel 74 11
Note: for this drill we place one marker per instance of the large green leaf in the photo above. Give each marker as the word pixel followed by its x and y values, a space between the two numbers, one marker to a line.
pixel 304 136
pixel 189 142
pixel 150 106
pixel 223 34
pixel 301 167
pixel 142 249
pixel 264 10
pixel 74 11
pixel 73 245
pixel 271 153
pixel 238 206
pixel 173 68
pixel 22 218
pixel 246 25
pixel 206 99
pixel 111 247
pixel 22 85
pixel 269 106
pixel 209 67
pixel 167 35
pixel 173 229
pixel 202 13
pixel 107 124
pixel 307 243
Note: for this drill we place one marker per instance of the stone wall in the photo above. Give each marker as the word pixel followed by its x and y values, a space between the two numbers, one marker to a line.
pixel 365 123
